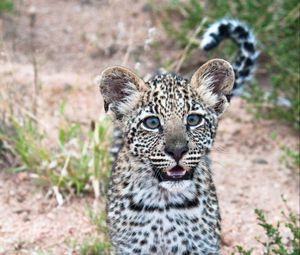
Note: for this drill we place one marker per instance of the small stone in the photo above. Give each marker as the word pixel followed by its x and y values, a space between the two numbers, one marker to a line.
pixel 260 161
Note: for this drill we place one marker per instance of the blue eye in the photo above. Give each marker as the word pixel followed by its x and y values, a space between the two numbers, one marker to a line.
pixel 151 122
pixel 194 120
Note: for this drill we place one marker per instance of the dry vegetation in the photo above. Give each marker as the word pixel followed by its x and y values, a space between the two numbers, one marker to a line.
pixel 54 137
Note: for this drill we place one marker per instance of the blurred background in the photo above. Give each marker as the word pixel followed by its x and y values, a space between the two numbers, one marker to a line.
pixel 54 135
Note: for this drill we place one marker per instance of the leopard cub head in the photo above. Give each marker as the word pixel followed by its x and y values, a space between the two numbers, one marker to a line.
pixel 169 123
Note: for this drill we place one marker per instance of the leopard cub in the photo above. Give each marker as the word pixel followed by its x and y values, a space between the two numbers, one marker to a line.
pixel 161 197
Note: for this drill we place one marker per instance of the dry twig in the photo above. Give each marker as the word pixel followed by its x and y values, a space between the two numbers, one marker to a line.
pixel 188 46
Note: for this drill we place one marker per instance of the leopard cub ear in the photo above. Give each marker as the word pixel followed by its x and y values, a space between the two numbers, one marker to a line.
pixel 121 89
pixel 213 81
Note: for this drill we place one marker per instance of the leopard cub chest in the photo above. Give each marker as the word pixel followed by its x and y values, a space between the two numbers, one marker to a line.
pixel 147 220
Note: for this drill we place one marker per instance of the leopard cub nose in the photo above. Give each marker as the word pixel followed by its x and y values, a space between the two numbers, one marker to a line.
pixel 176 152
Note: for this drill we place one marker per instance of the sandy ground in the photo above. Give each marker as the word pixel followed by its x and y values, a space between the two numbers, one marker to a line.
pixel 31 222
pixel 74 41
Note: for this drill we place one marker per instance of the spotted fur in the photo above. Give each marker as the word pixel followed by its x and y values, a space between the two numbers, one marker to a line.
pixel 242 36
pixel 147 213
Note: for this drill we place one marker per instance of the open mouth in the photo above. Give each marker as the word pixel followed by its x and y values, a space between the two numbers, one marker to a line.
pixel 177 173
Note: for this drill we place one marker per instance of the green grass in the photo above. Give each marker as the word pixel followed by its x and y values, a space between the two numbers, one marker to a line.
pixel 78 163
pixel 94 246
pixel 291 157
pixel 273 241
pixel 6 6
pixel 276 24
pixel 98 243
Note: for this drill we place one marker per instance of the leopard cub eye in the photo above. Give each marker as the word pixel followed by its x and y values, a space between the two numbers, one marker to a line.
pixel 194 120
pixel 151 122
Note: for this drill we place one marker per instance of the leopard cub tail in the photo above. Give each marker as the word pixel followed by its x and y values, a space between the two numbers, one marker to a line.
pixel 240 34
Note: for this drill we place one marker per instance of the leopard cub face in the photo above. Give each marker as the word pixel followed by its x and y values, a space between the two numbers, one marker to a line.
pixel 170 130
pixel 169 123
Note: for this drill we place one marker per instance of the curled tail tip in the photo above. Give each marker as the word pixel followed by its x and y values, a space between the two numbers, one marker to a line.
pixel 231 28
pixel 211 39
pixel 244 38
pixel 207 43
